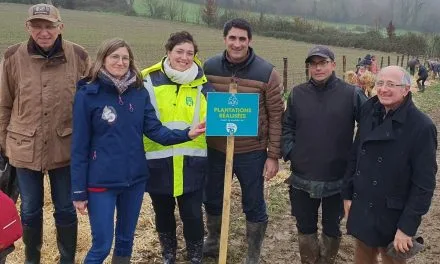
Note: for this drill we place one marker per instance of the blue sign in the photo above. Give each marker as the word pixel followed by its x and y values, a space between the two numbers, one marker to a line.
pixel 232 114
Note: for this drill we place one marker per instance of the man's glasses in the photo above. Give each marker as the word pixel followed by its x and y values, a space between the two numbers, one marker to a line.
pixel 390 85
pixel 315 65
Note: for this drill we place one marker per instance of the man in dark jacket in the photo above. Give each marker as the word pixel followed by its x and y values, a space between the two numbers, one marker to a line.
pixel 412 63
pixel 317 135
pixel 391 177
pixel 423 75
pixel 255 158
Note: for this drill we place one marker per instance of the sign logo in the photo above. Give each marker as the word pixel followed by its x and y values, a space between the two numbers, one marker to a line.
pixel 231 128
pixel 233 101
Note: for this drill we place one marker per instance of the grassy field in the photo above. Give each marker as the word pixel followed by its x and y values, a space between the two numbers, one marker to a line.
pixel 147 38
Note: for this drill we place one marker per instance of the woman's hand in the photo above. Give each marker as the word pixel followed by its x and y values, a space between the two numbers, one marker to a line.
pixel 81 206
pixel 197 130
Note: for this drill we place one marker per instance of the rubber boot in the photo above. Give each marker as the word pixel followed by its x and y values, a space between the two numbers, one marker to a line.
pixel 5 252
pixel 211 246
pixel 32 239
pixel 168 243
pixel 66 242
pixel 194 250
pixel 254 236
pixel 120 260
pixel 329 249
pixel 308 248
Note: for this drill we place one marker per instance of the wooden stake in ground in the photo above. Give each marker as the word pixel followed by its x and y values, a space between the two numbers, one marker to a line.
pixel 227 190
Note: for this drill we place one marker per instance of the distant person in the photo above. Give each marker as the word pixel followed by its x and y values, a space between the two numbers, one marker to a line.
pixel 255 158
pixel 391 177
pixel 319 113
pixel 37 86
pixel 412 63
pixel 179 87
pixel 111 113
pixel 423 75
pixel 374 68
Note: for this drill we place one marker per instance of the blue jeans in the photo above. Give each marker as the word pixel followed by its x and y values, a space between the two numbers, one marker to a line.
pixel 248 167
pixel 30 184
pixel 101 207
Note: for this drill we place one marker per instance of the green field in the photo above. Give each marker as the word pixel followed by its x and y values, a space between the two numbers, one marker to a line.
pixel 147 37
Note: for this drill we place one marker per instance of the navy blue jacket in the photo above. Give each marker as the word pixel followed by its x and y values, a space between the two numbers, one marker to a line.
pixel 391 178
pixel 423 73
pixel 107 147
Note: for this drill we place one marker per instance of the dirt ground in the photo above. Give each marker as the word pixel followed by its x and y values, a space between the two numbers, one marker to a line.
pixel 280 245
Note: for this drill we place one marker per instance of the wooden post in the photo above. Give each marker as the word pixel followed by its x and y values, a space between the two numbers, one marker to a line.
pixel 344 66
pixel 389 61
pixel 227 190
pixel 285 75
pixel 307 72
pixel 397 61
pixel 381 62
pixel 401 62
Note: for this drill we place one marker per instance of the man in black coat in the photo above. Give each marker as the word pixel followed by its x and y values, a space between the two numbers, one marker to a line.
pixel 317 136
pixel 391 176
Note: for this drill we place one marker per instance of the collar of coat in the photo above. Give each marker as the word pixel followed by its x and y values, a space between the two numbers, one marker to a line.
pixel 36 51
pixel 235 67
pixel 327 85
pixel 399 114
pixel 199 80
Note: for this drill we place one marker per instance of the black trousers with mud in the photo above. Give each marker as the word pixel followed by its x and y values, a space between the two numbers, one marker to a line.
pixel 305 210
pixel 190 210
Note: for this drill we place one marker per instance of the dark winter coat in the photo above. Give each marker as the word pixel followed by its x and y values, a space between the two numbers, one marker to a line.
pixel 391 178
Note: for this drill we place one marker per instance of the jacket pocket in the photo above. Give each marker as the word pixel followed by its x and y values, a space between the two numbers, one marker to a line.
pixel 20 143
pixel 61 147
pixel 395 203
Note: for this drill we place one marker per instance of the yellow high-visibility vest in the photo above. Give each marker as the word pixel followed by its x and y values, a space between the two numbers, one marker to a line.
pixel 177 107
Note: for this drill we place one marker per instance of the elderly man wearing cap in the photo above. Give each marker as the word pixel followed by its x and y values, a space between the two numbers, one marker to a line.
pixel 37 85
pixel 317 135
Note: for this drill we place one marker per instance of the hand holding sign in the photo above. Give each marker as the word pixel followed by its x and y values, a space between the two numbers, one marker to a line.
pixel 197 130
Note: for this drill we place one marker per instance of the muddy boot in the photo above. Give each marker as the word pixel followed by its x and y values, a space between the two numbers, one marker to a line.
pixel 254 236
pixel 308 248
pixel 66 242
pixel 120 260
pixel 194 250
pixel 32 239
pixel 168 242
pixel 419 86
pixel 329 249
pixel 211 246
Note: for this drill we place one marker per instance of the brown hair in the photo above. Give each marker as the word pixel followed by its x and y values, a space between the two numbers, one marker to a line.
pixel 106 48
pixel 179 38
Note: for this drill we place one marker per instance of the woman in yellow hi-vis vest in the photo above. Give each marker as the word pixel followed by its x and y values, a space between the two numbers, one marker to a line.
pixel 178 90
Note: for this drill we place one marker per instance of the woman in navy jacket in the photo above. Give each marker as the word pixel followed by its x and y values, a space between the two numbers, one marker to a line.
pixel 111 113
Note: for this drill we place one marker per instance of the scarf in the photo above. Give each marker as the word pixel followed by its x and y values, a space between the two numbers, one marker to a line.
pixel 179 77
pixel 121 84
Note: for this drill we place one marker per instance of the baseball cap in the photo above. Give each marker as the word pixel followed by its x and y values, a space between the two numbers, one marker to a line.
pixel 45 12
pixel 321 51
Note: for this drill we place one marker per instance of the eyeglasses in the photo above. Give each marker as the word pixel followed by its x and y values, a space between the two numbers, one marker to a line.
pixel 390 85
pixel 117 58
pixel 315 65
pixel 39 28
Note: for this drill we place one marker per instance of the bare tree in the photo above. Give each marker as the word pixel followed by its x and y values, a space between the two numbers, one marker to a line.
pixel 171 7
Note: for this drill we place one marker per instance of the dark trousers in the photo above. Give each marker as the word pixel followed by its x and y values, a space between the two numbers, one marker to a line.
pixel 423 79
pixel 305 210
pixel 248 167
pixel 190 209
